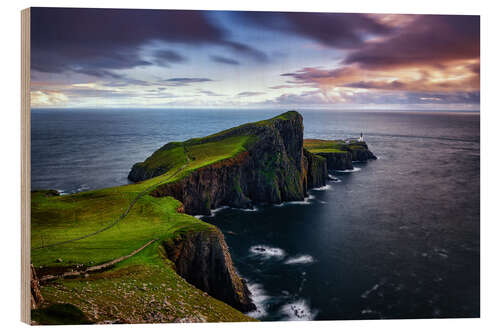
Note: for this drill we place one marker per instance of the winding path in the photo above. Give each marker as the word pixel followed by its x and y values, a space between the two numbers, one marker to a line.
pixel 124 214
pixel 96 268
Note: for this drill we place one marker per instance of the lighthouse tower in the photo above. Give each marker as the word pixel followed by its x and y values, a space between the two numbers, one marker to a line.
pixel 361 139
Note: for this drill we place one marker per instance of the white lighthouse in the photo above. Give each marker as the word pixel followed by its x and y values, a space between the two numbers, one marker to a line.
pixel 361 139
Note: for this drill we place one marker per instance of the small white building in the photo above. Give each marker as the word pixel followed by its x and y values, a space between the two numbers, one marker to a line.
pixel 354 140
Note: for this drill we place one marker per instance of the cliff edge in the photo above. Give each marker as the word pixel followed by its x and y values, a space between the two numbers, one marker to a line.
pixel 260 162
pixel 203 259
pixel 339 154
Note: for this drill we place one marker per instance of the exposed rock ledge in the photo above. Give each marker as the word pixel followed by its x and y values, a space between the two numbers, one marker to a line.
pixel 203 259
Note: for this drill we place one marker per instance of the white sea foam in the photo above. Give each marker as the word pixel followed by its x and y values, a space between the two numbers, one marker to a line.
pixel 215 211
pixel 267 252
pixel 334 179
pixel 349 170
pixel 259 298
pixel 301 259
pixel 323 188
pixel 253 209
pixel 306 201
pixel 299 310
pixel 441 252
pixel 369 291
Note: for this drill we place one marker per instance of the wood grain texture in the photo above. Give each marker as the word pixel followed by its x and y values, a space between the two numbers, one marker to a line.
pixel 25 167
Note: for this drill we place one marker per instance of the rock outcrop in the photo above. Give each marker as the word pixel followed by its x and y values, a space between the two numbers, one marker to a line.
pixel 338 160
pixel 317 170
pixel 339 155
pixel 362 154
pixel 272 169
pixel 203 259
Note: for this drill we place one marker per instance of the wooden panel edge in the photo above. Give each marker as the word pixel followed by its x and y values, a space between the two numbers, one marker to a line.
pixel 25 167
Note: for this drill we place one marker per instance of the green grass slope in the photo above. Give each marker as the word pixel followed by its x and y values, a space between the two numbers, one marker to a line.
pixel 332 146
pixel 207 150
pixel 90 228
pixel 72 232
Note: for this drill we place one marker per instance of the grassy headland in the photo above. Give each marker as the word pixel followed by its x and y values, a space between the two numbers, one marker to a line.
pixel 125 248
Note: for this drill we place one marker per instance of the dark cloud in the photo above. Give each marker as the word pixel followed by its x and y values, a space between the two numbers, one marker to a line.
pixel 98 93
pixel 282 86
pixel 246 50
pixel 250 93
pixel 167 57
pixel 310 74
pixel 184 81
pixel 305 98
pixel 125 81
pixel 475 68
pixel 396 85
pixel 429 39
pixel 337 30
pixel 224 60
pixel 93 40
pixel 317 97
pixel 210 93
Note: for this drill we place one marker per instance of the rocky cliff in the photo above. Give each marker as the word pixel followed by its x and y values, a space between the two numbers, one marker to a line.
pixel 339 154
pixel 270 168
pixel 203 259
pixel 317 170
pixel 338 160
pixel 361 153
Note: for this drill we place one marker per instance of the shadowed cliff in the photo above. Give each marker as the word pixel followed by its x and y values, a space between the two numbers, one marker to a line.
pixel 262 162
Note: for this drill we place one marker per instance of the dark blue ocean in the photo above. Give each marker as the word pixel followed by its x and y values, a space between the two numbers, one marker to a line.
pixel 396 238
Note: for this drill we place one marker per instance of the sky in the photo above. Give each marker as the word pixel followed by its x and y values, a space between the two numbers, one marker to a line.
pixel 118 58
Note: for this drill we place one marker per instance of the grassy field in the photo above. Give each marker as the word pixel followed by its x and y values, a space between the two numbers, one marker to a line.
pixel 72 232
pixel 94 227
pixel 316 146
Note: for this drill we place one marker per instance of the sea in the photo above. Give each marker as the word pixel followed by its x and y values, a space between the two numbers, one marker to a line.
pixel 397 237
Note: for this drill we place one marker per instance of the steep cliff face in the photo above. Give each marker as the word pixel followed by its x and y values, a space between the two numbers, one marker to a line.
pixel 317 170
pixel 361 153
pixel 270 169
pixel 339 154
pixel 338 160
pixel 203 259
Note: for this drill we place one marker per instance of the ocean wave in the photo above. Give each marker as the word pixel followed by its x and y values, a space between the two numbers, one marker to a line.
pixel 216 210
pixel 307 201
pixel 443 253
pixel 302 259
pixel 349 170
pixel 369 291
pixel 253 209
pixel 267 251
pixel 334 179
pixel 259 298
pixel 298 310
pixel 322 188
